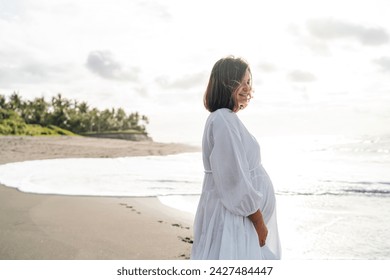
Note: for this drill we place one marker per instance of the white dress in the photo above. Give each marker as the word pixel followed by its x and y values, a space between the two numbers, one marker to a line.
pixel 235 185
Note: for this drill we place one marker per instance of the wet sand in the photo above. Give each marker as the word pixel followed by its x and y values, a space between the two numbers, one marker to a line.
pixel 35 226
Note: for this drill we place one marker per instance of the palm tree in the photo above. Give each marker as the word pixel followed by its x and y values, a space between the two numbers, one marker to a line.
pixel 3 102
pixel 120 117
pixel 107 120
pixel 94 123
pixel 83 107
pixel 16 103
pixel 69 114
pixel 59 116
pixel 36 111
pixel 133 120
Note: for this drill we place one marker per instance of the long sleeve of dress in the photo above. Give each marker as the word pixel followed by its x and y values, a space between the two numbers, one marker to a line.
pixel 230 169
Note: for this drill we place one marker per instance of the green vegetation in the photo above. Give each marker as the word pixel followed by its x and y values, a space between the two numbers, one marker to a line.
pixel 62 116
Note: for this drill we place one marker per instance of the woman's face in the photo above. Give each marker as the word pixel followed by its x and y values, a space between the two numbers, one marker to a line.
pixel 243 93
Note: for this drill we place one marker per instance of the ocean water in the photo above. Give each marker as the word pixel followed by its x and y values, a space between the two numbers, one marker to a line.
pixel 333 192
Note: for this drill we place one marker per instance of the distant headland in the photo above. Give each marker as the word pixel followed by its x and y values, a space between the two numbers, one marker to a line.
pixel 62 116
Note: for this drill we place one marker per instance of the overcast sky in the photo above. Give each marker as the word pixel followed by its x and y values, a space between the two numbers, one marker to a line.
pixel 311 60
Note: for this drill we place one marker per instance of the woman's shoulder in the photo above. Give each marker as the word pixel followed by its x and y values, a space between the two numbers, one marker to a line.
pixel 224 116
pixel 224 113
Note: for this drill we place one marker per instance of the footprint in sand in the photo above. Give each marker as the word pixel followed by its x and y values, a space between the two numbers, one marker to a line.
pixel 180 226
pixel 186 239
pixel 130 207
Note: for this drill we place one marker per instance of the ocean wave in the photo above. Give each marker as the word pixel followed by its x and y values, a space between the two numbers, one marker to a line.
pixel 342 191
pixel 379 192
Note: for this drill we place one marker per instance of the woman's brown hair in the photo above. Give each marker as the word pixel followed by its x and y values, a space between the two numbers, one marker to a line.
pixel 225 78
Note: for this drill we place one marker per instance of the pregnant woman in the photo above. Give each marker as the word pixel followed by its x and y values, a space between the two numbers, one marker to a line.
pixel 236 215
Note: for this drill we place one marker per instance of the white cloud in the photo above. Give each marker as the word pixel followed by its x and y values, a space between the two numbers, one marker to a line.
pixel 28 71
pixel 185 82
pixel 383 63
pixel 301 76
pixel 267 67
pixel 104 64
pixel 155 9
pixel 156 56
pixel 333 29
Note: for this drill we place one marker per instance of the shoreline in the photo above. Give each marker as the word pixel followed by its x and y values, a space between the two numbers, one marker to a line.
pixel 23 148
pixel 44 226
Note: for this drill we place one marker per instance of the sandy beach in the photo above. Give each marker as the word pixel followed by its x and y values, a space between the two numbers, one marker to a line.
pixel 34 226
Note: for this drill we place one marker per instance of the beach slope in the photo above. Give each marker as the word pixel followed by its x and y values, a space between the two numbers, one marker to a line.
pixel 35 226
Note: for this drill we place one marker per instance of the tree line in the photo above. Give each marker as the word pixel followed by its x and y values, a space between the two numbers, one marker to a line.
pixel 72 115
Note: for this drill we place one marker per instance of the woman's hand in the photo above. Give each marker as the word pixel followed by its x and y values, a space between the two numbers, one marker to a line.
pixel 262 232
pixel 260 227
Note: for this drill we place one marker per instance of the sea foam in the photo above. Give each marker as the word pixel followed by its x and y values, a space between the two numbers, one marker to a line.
pixel 179 174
